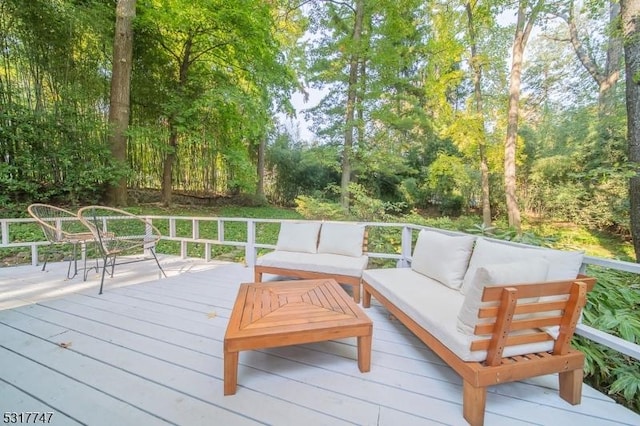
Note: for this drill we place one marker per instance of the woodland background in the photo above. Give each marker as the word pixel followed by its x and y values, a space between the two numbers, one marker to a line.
pixel 417 107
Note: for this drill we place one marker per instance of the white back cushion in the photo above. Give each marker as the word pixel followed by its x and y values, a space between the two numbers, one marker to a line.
pixel 522 272
pixel 442 257
pixel 341 238
pixel 298 236
pixel 563 265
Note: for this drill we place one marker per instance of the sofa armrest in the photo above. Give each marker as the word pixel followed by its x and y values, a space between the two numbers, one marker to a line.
pixel 514 322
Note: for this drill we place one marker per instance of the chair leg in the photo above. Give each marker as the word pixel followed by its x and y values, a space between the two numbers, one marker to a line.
pixel 571 386
pixel 473 403
pixel 153 252
pixel 84 255
pixel 113 266
pixel 104 270
pixel 366 299
pixel 106 263
pixel 46 258
pixel 75 263
pixel 86 270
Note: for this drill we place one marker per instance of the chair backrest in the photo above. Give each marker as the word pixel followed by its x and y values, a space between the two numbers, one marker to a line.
pixel 117 230
pixel 58 224
pixel 530 313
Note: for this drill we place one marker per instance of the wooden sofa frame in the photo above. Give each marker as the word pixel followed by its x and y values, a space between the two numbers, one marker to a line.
pixel 354 282
pixel 477 376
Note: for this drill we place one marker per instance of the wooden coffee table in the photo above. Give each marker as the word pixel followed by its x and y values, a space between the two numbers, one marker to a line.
pixel 285 313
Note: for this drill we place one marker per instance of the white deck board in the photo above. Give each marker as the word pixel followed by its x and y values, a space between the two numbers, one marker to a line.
pixel 149 351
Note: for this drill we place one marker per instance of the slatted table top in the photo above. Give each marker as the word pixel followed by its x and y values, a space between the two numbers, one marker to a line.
pixel 291 312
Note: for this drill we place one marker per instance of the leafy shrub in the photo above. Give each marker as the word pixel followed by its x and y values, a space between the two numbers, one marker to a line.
pixel 298 170
pixel 314 208
pixel 613 307
pixel 411 193
pixel 72 166
pixel 363 207
pixel 451 205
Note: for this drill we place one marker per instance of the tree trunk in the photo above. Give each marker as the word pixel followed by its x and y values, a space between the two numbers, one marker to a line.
pixel 167 166
pixel 630 13
pixel 170 158
pixel 612 67
pixel 119 111
pixel 347 151
pixel 477 92
pixel 605 77
pixel 523 29
pixel 262 146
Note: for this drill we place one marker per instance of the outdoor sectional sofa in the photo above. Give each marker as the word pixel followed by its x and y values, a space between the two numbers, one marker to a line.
pixel 312 250
pixel 494 312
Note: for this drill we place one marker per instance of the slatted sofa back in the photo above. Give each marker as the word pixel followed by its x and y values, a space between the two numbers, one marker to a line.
pixel 529 310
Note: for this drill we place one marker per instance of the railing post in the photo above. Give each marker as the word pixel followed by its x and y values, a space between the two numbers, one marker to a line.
pixel 250 248
pixel 195 229
pixel 172 227
pixel 405 248
pixel 5 232
pixel 220 230
pixel 207 252
pixel 183 249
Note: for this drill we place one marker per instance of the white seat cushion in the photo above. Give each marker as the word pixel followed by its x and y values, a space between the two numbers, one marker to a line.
pixel 521 272
pixel 341 238
pixel 435 308
pixel 317 262
pixel 442 257
pixel 298 236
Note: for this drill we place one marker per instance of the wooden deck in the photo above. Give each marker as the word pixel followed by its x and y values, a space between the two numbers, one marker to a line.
pixel 151 353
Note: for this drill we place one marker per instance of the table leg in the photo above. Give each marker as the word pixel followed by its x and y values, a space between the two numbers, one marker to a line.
pixel 364 353
pixel 230 372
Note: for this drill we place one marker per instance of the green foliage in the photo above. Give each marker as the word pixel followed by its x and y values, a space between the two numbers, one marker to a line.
pixel 314 208
pixel 411 193
pixel 447 180
pixel 596 198
pixel 297 170
pixel 614 304
pixel 451 205
pixel 363 207
pixel 51 156
pixel 613 307
pixel 211 72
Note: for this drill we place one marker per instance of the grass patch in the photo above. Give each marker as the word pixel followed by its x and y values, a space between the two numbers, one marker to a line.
pixel 569 236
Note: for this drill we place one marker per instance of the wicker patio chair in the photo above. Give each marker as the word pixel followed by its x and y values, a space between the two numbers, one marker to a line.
pixel 119 233
pixel 61 226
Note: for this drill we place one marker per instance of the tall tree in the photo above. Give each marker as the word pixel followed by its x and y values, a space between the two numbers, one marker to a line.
pixel 119 109
pixel 527 15
pixel 630 13
pixel 605 75
pixel 476 66
pixel 216 73
pixel 352 89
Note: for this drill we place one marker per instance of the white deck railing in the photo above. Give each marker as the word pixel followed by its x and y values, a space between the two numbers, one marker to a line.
pixel 408 232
